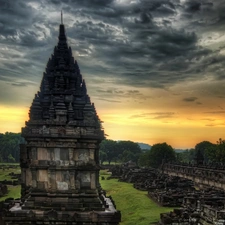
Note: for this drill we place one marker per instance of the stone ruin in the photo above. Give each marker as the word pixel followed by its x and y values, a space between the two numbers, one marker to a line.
pixel 206 175
pixel 164 189
pixel 199 207
pixel 3 189
pixel 60 160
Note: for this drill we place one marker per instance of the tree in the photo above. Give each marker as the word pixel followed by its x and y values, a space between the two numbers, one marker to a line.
pixel 201 150
pixel 123 151
pixel 108 151
pixel 11 158
pixel 186 156
pixel 160 153
pixel 130 151
pixel 102 156
pixel 10 145
pixel 143 158
pixel 216 153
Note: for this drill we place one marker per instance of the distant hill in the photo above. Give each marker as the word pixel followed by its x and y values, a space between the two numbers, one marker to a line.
pixel 180 150
pixel 144 146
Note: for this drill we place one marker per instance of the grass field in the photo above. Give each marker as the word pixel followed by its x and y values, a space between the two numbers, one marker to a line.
pixel 135 206
pixel 4 174
pixel 9 164
pixel 13 191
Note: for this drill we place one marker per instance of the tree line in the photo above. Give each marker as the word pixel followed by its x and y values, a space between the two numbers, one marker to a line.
pixel 119 151
pixel 204 152
pixel 124 151
pixel 10 147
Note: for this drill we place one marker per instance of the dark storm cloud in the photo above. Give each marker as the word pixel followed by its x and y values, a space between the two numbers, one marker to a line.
pixel 87 3
pixel 215 112
pixel 192 6
pixel 109 100
pixel 3 78
pixel 12 11
pixel 121 51
pixel 15 15
pixel 117 93
pixel 205 14
pixel 145 43
pixel 190 99
pixel 22 84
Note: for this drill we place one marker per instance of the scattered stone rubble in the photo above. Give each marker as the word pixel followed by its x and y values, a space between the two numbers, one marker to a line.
pixel 16 180
pixel 165 190
pixel 198 207
pixel 201 207
pixel 3 189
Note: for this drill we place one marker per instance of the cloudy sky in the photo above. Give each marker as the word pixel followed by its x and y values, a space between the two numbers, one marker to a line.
pixel 153 68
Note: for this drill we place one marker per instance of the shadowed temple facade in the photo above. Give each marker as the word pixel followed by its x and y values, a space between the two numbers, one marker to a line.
pixel 60 160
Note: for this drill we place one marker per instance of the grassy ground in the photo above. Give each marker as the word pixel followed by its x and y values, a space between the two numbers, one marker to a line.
pixel 8 164
pixel 4 173
pixel 135 206
pixel 13 191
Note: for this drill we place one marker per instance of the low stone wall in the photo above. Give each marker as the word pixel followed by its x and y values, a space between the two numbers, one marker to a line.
pixel 203 176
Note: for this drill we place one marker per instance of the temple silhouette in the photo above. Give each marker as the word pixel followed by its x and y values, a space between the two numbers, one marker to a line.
pixel 60 160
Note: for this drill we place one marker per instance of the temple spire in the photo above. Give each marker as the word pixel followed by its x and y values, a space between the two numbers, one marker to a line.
pixel 62 35
pixel 61 17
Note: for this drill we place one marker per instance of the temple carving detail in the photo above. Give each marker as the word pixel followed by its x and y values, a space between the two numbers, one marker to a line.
pixel 60 160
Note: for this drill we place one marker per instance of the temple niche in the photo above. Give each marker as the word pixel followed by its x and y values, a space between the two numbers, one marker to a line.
pixel 60 160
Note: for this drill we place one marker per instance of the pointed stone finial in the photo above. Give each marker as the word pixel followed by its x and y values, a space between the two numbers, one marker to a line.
pixel 61 17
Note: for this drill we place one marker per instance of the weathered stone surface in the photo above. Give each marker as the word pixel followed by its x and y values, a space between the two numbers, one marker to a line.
pixel 60 163
pixel 199 207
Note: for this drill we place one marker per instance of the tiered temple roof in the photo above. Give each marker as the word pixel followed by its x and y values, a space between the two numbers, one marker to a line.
pixel 60 161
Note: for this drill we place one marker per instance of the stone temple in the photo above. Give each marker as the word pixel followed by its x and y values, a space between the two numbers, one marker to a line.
pixel 60 160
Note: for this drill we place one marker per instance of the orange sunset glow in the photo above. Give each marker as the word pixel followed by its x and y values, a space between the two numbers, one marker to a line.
pixel 155 72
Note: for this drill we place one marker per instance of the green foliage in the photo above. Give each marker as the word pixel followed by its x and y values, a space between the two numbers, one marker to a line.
pixel 201 150
pixel 4 173
pixel 135 206
pixel 108 150
pixel 186 156
pixel 122 151
pixel 204 151
pixel 144 159
pixel 158 154
pixel 130 151
pixel 102 156
pixel 216 153
pixel 13 191
pixel 11 158
pixel 199 154
pixel 10 146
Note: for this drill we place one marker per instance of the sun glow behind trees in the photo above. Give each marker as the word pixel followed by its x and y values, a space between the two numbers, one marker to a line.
pixel 148 126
